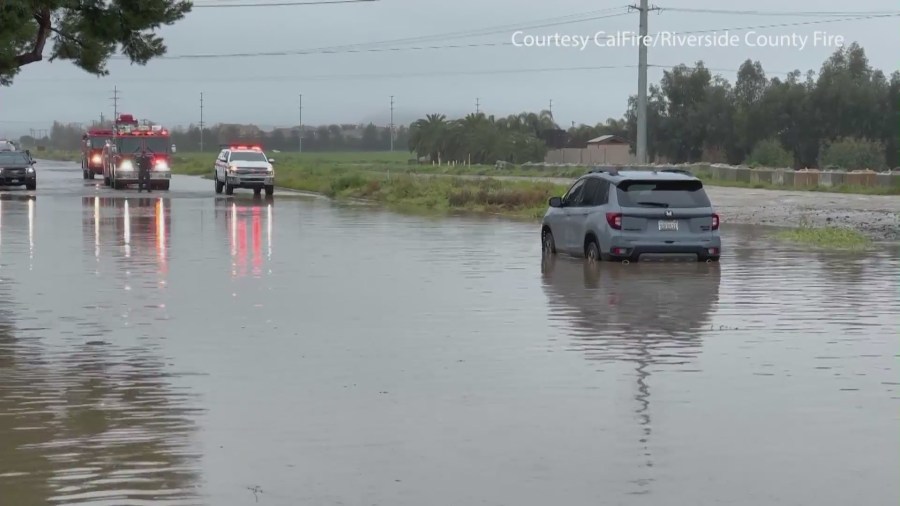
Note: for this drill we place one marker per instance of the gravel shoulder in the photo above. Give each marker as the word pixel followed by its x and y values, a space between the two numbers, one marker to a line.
pixel 876 216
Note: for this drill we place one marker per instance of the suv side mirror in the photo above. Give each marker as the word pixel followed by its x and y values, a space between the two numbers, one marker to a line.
pixel 271 160
pixel 556 202
pixel 173 148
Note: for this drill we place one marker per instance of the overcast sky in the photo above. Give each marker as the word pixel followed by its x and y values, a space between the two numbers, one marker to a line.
pixel 356 86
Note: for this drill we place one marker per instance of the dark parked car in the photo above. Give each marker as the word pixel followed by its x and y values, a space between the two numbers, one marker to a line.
pixel 17 169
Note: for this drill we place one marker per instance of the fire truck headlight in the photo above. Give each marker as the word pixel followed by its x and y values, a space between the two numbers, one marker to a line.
pixel 126 165
pixel 161 165
pixel 95 159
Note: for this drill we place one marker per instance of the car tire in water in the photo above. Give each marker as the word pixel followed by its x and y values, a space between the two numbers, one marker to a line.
pixel 219 185
pixel 31 186
pixel 229 190
pixel 164 186
pixel 592 251
pixel 270 190
pixel 548 244
pixel 105 181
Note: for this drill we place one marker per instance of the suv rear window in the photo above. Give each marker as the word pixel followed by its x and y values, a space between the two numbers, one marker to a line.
pixel 678 194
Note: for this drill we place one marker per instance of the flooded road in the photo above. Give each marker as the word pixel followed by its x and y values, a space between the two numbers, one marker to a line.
pixel 180 348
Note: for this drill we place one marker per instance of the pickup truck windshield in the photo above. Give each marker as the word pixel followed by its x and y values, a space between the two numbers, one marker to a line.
pixel 248 156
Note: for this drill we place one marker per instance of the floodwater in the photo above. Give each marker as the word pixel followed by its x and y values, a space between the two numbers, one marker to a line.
pixel 180 348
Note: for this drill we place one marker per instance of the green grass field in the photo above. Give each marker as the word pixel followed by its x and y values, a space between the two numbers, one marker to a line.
pixel 827 238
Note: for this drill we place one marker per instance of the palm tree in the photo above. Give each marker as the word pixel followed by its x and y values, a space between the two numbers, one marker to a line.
pixel 426 136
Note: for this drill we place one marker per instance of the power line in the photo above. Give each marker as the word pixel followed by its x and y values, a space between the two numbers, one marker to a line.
pixel 339 77
pixel 777 13
pixel 374 46
pixel 782 25
pixel 281 4
pixel 303 52
pixel 580 17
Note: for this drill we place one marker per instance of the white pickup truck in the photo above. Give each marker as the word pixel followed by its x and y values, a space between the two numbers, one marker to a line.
pixel 244 167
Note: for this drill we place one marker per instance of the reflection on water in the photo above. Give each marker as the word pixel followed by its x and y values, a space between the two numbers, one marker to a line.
pixel 14 225
pixel 126 227
pixel 633 312
pixel 245 220
pixel 646 314
pixel 95 425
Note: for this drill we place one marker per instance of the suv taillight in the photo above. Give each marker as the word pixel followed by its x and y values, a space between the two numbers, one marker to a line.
pixel 715 221
pixel 614 220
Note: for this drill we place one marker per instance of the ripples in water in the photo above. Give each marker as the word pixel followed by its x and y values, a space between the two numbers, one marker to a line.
pixel 98 425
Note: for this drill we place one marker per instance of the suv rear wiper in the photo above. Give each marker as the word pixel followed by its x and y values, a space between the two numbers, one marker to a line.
pixel 653 204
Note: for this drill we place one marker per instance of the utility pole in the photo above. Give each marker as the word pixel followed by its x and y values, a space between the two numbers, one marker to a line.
pixel 300 134
pixel 115 100
pixel 642 83
pixel 477 107
pixel 392 123
pixel 551 107
pixel 201 121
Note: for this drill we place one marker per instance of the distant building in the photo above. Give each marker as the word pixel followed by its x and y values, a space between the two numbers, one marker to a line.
pixel 606 149
pixel 609 149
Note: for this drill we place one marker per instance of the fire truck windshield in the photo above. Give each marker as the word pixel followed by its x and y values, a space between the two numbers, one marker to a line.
pixel 129 145
pixel 98 142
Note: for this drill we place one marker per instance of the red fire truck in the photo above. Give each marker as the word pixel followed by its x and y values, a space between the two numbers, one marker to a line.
pixel 120 155
pixel 92 151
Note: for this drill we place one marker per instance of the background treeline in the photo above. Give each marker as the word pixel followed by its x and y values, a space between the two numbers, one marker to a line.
pixel 323 138
pixel 846 115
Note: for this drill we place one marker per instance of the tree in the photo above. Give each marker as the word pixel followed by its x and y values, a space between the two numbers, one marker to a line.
pixel 85 32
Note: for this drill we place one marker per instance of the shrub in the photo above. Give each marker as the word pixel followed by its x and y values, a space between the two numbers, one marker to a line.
pixel 770 153
pixel 852 154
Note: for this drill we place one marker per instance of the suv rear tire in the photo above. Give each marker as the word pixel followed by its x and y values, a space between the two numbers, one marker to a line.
pixel 592 251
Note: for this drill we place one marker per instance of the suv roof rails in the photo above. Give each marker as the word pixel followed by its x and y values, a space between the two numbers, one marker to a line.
pixel 678 171
pixel 612 171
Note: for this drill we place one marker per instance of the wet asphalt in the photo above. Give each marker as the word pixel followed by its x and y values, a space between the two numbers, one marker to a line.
pixel 187 348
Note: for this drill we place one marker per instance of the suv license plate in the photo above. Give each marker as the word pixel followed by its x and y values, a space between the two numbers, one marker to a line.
pixel 668 225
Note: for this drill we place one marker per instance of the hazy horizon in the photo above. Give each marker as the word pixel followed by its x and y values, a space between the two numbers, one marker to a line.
pixel 355 87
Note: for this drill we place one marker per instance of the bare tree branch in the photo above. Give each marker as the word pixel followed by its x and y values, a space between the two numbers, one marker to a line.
pixel 40 40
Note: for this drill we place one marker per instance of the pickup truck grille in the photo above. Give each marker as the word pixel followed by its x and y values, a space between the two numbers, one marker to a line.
pixel 254 170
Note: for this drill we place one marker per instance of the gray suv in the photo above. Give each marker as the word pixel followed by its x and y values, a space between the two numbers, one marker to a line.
pixel 627 215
